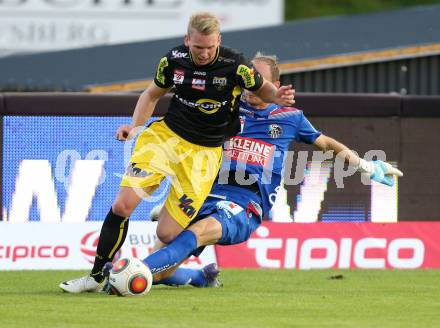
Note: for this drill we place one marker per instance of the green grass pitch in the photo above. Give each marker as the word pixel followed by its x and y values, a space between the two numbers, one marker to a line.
pixel 249 298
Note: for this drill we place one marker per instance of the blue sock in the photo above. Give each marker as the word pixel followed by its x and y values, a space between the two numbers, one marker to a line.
pixel 185 277
pixel 172 254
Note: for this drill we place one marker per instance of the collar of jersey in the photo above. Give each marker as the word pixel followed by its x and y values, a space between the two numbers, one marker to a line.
pixel 211 63
pixel 260 112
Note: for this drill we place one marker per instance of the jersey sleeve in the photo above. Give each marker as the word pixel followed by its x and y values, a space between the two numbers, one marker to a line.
pixel 247 76
pixel 306 131
pixel 163 78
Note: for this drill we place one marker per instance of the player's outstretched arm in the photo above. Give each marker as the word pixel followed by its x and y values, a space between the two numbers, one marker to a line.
pixel 378 171
pixel 144 109
pixel 283 96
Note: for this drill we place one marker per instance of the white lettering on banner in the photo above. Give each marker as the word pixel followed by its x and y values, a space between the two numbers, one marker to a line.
pixel 337 253
pixel 59 246
pixel 55 24
pixel 315 182
pixel 307 261
pixel 97 4
pixel 290 258
pixel 262 246
pixel 312 192
pixel 64 34
pixel 359 253
pixel 35 180
pixel 384 202
pixel 85 178
pixel 280 210
pixel 344 253
pixel 416 245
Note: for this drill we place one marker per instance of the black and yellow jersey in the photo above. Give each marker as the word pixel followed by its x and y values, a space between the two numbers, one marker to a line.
pixel 204 108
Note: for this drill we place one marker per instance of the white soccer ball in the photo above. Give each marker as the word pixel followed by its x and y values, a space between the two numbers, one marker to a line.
pixel 130 277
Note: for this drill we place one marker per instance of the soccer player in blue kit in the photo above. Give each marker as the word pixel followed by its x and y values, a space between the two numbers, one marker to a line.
pixel 235 206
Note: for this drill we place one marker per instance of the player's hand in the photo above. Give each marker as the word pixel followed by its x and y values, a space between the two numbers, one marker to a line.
pixel 123 132
pixel 285 96
pixel 384 173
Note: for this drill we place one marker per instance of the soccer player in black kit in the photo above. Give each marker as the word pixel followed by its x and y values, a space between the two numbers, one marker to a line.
pixel 186 144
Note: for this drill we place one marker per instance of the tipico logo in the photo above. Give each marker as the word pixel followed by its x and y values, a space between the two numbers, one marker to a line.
pixel 88 246
pixel 89 242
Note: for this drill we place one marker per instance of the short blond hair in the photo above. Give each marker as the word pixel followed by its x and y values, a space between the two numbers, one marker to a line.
pixel 270 60
pixel 204 22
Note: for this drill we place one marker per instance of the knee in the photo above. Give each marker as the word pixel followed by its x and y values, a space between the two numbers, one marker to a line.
pixel 165 236
pixel 121 208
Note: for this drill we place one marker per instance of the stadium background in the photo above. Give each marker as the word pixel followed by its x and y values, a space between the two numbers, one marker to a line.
pixel 394 124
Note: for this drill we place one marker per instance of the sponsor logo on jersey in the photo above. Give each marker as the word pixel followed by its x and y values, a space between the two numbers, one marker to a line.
pixel 250 151
pixel 275 131
pixel 247 75
pixel 254 208
pixel 134 171
pixel 200 73
pixel 225 60
pixel 207 106
pixel 178 54
pixel 179 76
pixel 160 76
pixel 198 84
pixel 219 82
pixel 229 208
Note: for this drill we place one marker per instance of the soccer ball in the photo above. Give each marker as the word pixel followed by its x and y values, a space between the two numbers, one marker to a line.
pixel 130 277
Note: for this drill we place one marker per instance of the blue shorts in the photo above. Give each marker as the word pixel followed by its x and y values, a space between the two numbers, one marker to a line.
pixel 238 223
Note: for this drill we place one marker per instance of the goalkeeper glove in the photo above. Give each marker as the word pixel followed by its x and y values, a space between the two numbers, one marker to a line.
pixel 379 171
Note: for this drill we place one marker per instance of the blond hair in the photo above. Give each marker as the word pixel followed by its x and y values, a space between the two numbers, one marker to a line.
pixel 204 22
pixel 270 60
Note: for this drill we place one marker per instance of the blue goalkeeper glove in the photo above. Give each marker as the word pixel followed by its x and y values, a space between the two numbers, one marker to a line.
pixel 379 171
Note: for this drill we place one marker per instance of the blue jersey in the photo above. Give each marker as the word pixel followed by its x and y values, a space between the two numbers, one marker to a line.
pixel 252 166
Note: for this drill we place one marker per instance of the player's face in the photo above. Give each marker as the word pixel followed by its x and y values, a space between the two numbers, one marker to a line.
pixel 264 69
pixel 203 47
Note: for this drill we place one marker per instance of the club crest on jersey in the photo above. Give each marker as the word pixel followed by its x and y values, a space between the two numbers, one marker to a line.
pixel 179 76
pixel 275 131
pixel 198 84
pixel 219 82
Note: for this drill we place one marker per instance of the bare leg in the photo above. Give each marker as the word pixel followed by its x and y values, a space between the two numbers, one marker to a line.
pixel 207 232
pixel 115 227
pixel 167 229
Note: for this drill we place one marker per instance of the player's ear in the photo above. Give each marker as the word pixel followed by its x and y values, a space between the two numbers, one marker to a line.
pixel 186 40
pixel 219 38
